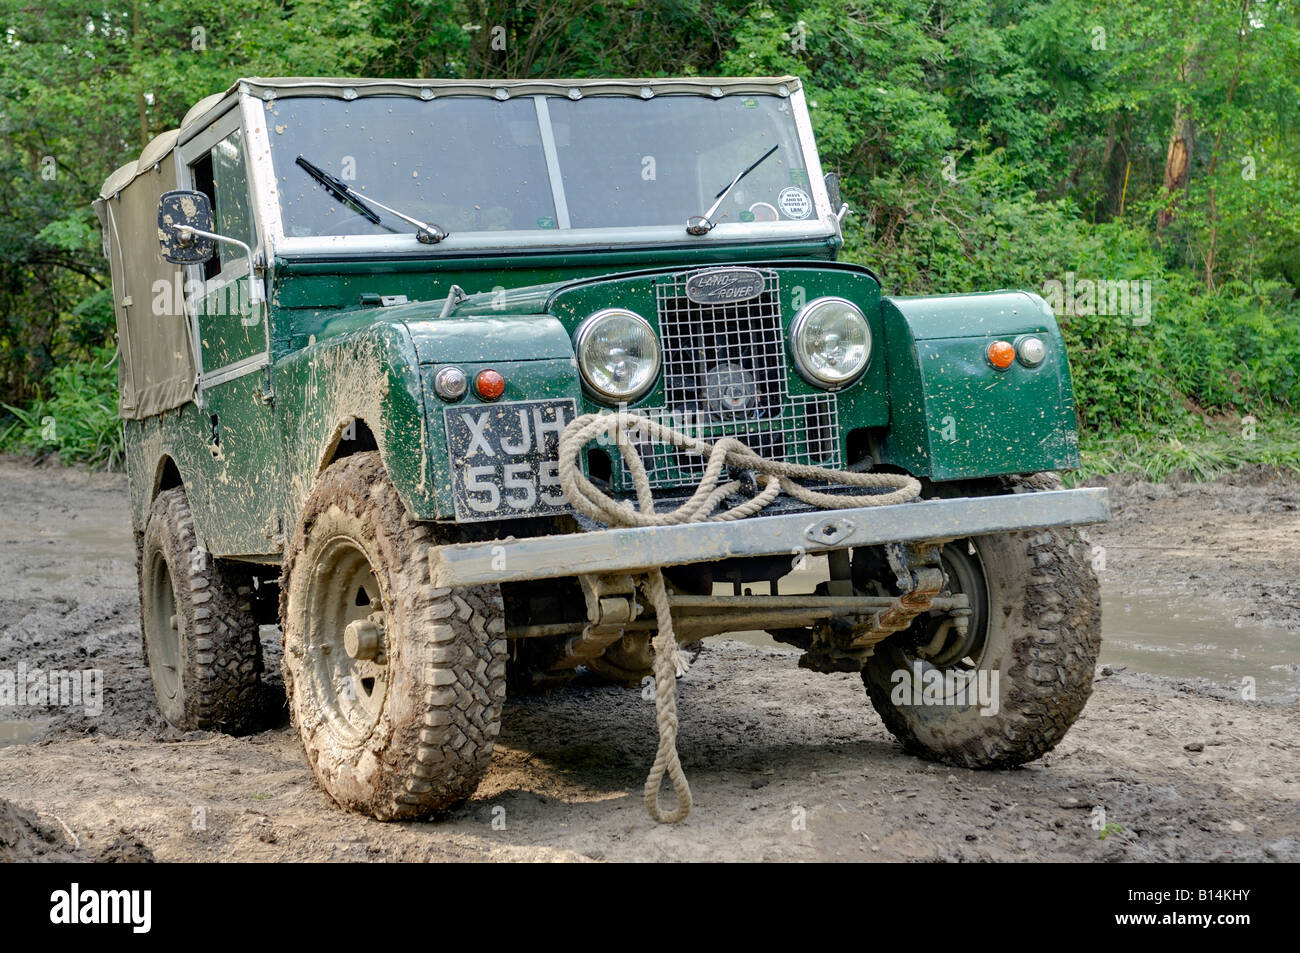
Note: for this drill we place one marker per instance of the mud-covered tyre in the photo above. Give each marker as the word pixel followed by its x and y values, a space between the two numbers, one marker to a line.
pixel 395 687
pixel 1041 632
pixel 199 631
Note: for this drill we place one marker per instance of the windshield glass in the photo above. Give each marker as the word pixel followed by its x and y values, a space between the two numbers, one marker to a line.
pixel 466 163
pixel 658 161
pixel 475 164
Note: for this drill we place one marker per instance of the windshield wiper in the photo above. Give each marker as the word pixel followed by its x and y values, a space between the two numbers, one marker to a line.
pixel 425 233
pixel 703 224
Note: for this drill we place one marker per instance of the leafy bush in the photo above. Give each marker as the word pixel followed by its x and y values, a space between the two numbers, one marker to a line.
pixel 78 420
pixel 1231 350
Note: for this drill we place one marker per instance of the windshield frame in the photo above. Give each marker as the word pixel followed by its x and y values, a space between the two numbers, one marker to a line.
pixel 822 225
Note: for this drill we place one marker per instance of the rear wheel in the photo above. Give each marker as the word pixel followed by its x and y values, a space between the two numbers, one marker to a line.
pixel 200 633
pixel 395 687
pixel 1007 690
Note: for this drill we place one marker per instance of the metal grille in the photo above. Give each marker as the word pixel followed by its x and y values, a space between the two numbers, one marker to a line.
pixel 724 363
pixel 807 431
pixel 725 375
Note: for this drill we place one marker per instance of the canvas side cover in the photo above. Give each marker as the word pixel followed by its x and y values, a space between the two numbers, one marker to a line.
pixel 156 370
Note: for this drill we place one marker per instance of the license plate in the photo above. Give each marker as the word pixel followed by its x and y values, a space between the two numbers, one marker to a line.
pixel 505 458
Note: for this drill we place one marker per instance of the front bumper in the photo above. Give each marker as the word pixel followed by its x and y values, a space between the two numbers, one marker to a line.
pixel 630 550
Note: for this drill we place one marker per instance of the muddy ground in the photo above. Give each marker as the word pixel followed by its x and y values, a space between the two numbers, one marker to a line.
pixel 785 764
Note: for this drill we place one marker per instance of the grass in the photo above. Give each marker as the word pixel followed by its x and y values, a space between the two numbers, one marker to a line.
pixel 1200 452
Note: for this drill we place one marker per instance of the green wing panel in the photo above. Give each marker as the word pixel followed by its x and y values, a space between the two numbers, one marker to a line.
pixel 952 414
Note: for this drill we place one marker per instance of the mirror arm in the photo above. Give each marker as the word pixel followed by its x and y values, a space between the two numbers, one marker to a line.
pixel 255 295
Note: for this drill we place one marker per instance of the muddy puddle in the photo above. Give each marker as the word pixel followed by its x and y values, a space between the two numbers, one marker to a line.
pixel 1150 634
pixel 1198 638
pixel 45 560
pixel 20 732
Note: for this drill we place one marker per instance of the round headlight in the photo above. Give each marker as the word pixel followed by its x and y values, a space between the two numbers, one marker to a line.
pixel 618 354
pixel 831 341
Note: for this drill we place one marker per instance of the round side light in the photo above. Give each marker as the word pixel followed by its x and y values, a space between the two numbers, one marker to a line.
pixel 489 384
pixel 1031 351
pixel 450 383
pixel 1001 354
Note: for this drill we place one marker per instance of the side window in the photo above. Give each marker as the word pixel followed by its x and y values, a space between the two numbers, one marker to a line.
pixel 201 173
pixel 220 175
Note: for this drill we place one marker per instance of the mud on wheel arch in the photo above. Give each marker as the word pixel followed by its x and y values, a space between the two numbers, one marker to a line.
pixel 462 447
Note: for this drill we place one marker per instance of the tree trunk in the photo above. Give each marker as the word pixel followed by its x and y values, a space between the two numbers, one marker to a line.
pixel 1178 161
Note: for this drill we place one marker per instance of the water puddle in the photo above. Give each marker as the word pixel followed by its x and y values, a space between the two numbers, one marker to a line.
pixel 48 556
pixel 20 732
pixel 1197 638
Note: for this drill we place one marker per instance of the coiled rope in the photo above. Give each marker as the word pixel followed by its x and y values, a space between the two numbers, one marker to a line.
pixel 627 431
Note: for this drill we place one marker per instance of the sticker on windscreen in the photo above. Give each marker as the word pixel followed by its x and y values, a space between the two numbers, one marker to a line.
pixel 794 203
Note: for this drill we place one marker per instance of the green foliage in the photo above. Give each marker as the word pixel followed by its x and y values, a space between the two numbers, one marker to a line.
pixel 983 144
pixel 78 420
pixel 1230 351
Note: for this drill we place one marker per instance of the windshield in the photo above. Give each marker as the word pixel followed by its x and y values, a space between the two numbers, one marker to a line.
pixel 475 164
pixel 659 161
pixel 469 164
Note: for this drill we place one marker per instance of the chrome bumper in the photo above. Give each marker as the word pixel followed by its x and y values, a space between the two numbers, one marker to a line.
pixel 629 550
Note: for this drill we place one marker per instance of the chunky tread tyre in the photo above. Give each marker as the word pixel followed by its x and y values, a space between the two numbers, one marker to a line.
pixel 1044 637
pixel 446 657
pixel 220 653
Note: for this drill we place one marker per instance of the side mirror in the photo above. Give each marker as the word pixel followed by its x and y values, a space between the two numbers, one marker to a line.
pixel 833 189
pixel 182 214
pixel 837 199
pixel 185 233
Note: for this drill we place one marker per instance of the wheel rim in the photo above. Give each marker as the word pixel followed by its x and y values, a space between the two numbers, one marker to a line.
pixel 965 573
pixel 164 628
pixel 346 644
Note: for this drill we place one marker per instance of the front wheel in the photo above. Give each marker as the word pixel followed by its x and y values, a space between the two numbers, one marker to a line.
pixel 395 687
pixel 1009 688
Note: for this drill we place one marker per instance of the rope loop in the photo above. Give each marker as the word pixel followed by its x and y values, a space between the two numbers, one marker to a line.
pixel 730 467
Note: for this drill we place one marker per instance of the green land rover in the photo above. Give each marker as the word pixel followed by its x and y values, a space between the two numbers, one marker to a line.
pixel 475 385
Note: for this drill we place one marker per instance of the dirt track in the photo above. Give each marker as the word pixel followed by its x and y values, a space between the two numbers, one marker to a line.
pixel 765 744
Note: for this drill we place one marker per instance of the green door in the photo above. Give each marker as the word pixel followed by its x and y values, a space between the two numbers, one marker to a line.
pixel 240 500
